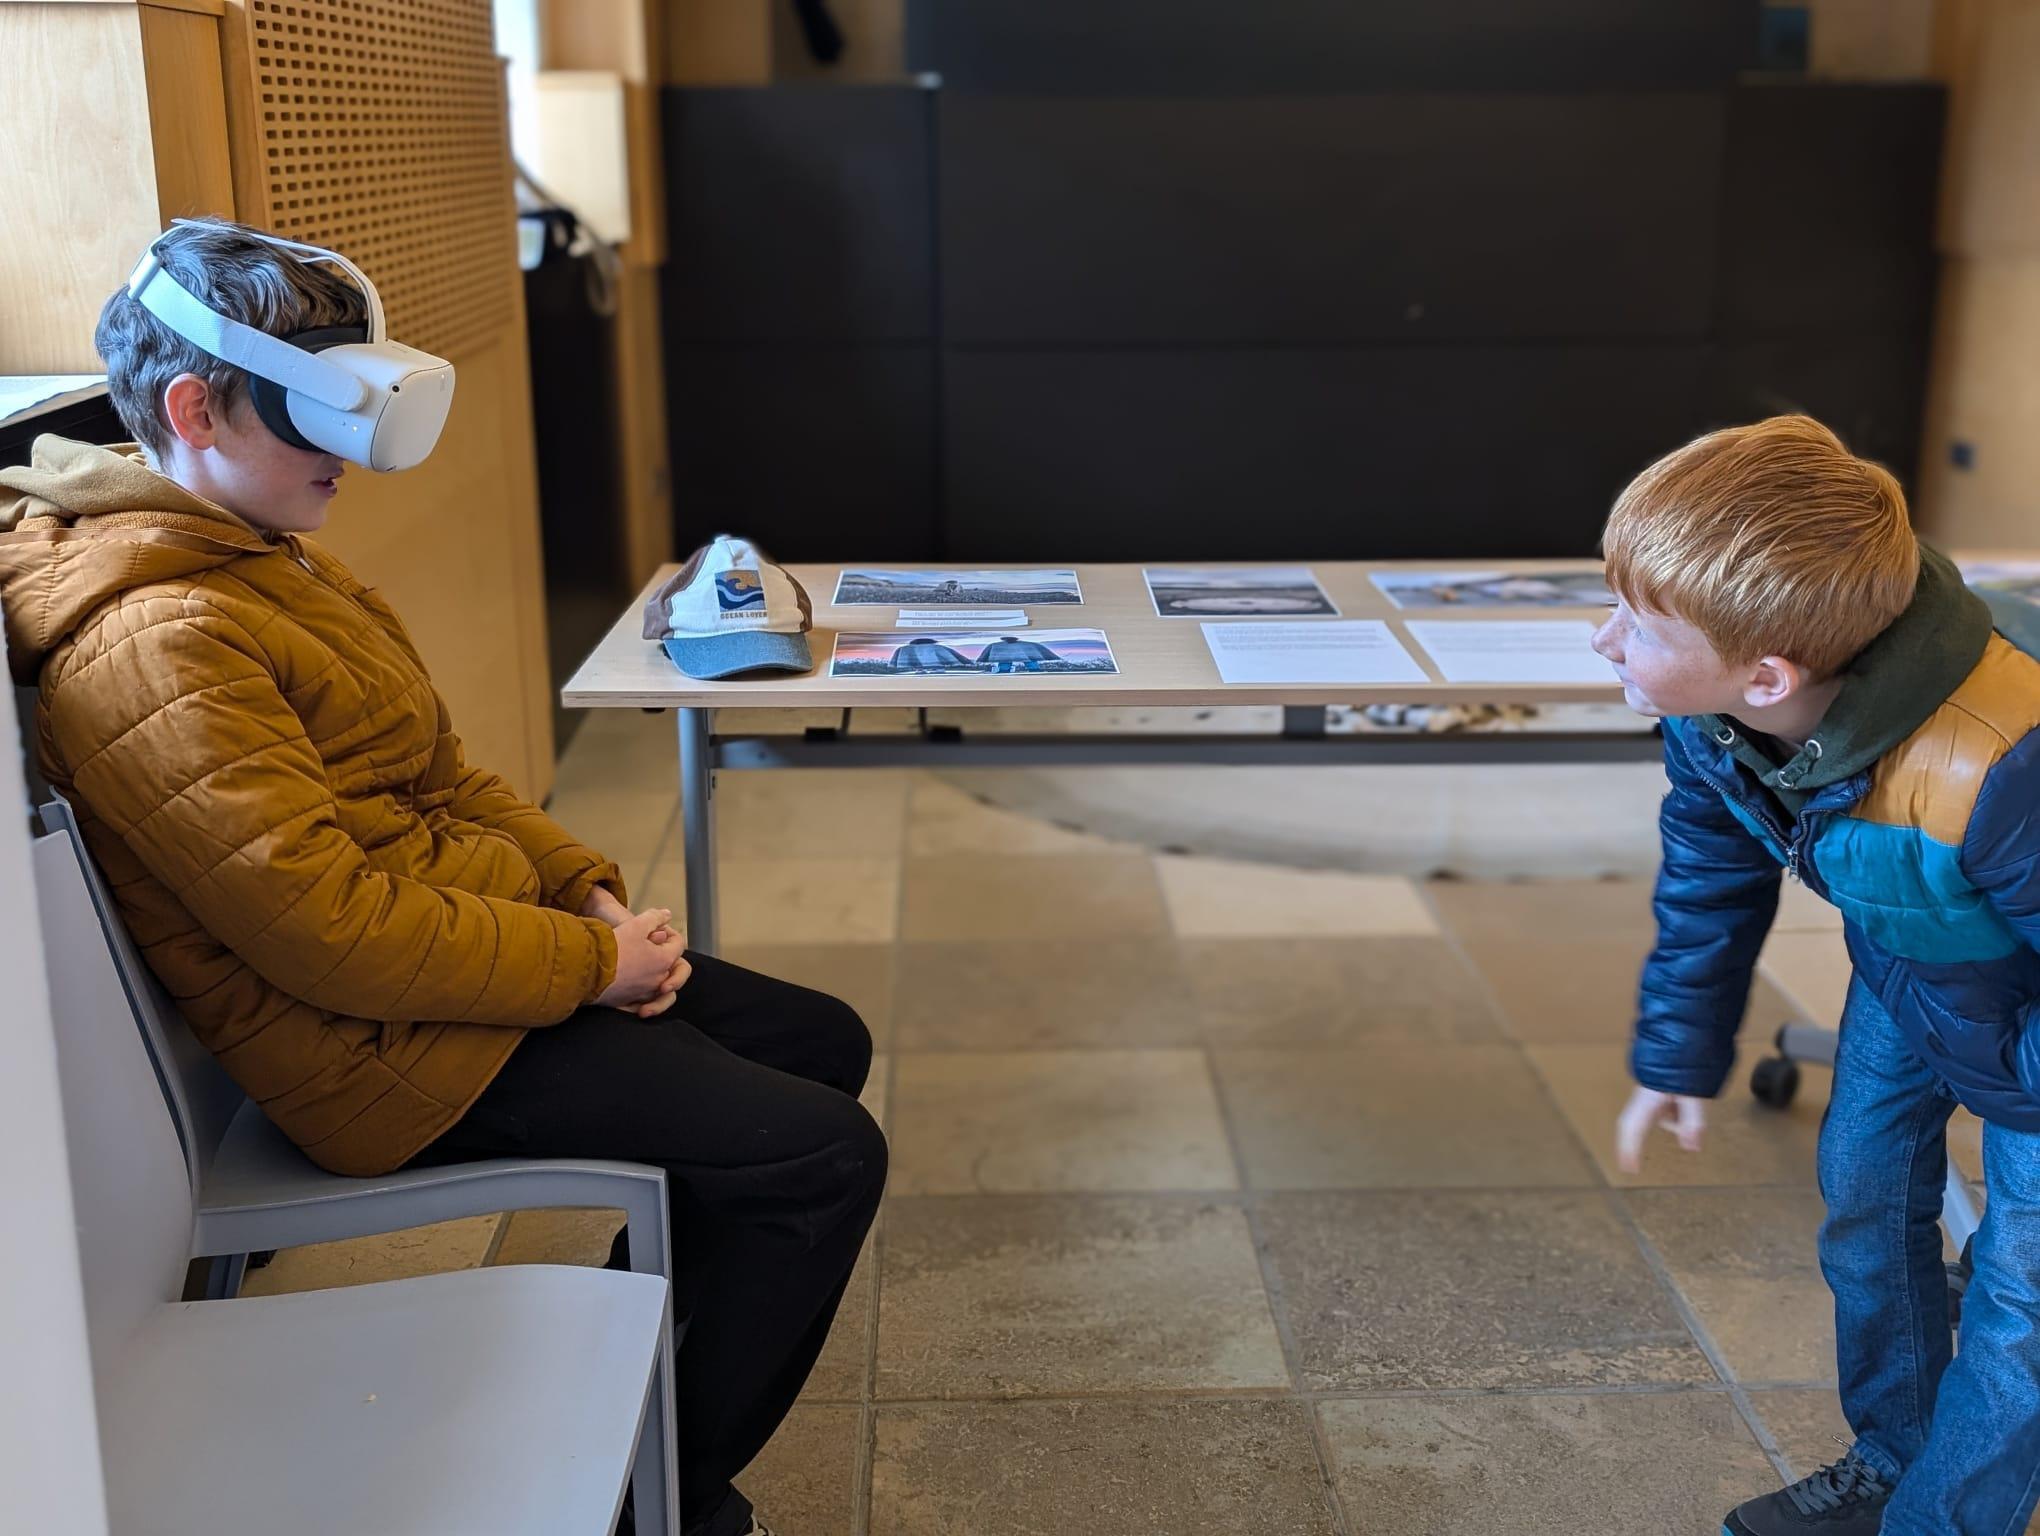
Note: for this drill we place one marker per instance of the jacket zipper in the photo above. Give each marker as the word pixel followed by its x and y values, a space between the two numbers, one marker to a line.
pixel 1787 840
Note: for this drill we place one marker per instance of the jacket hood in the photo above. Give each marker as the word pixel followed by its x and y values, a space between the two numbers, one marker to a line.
pixel 1889 691
pixel 81 524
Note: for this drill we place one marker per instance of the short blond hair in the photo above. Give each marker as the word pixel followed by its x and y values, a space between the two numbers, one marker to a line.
pixel 1771 540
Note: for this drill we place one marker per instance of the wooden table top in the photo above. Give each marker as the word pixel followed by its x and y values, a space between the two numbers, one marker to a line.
pixel 1162 662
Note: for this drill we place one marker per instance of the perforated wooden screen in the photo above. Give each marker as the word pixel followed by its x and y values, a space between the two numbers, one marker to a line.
pixel 381 128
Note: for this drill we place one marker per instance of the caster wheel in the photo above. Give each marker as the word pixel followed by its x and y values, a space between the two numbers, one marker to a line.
pixel 1775 1081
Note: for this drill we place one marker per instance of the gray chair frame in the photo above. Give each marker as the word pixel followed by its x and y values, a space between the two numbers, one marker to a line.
pixel 253 1189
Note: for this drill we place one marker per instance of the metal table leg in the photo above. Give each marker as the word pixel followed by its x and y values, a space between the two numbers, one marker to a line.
pixel 697 825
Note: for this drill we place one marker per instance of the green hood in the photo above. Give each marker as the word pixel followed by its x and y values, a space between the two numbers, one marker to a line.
pixel 1888 691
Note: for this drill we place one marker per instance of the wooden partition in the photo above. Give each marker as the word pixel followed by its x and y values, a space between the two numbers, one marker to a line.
pixel 1980 482
pixel 626 39
pixel 379 127
pixel 376 127
pixel 112 125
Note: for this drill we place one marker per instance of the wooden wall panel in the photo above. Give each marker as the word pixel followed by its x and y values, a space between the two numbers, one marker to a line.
pixel 1980 460
pixel 1984 400
pixel 106 134
pixel 379 128
pixel 719 42
pixel 1991 187
pixel 187 112
pixel 453 544
pixel 644 450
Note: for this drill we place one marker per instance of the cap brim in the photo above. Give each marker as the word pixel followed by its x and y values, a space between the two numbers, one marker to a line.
pixel 713 656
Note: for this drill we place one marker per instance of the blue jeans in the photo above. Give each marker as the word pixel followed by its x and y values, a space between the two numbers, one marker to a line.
pixel 1960 1437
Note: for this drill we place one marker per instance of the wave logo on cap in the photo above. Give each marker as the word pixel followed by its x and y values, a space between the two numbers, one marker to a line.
pixel 740 590
pixel 730 610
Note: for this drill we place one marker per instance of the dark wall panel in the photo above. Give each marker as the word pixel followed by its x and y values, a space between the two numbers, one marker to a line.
pixel 1828 217
pixel 1188 46
pixel 818 453
pixel 1328 219
pixel 799 214
pixel 1265 455
pixel 1870 388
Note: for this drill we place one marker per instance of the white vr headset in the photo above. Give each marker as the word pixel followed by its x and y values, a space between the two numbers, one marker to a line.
pixel 347 389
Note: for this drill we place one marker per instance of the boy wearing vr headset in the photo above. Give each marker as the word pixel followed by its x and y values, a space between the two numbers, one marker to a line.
pixel 389 950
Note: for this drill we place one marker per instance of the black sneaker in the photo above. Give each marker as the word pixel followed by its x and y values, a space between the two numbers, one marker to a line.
pixel 1844 1499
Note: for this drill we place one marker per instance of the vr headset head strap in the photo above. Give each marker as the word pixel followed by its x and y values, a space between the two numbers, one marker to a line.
pixel 258 352
pixel 377 330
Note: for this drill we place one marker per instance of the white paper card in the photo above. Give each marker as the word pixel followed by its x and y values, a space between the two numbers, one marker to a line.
pixel 961 618
pixel 1328 651
pixel 1529 651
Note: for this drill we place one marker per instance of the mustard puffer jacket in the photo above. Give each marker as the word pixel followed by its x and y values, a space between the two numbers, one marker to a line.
pixel 359 924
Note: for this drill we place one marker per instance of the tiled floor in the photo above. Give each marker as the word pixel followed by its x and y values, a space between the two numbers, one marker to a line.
pixel 1233 1199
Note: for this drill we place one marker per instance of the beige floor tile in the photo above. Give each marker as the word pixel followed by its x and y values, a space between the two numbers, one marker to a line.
pixel 664 885
pixel 1154 1468
pixel 630 827
pixel 943 816
pixel 877 1095
pixel 1543 1465
pixel 1746 1143
pixel 1015 1296
pixel 1807 1424
pixel 1800 911
pixel 1337 991
pixel 1479 911
pixel 1811 968
pixel 1396 1116
pixel 805 1480
pixel 1965 1144
pixel 811 813
pixel 1219 898
pixel 1443 1290
pixel 620 750
pixel 807 901
pixel 1744 1260
pixel 446 1245
pixel 1044 1122
pixel 558 1237
pixel 1562 957
pixel 1027 898
pixel 842 1372
pixel 998 996
pixel 862 975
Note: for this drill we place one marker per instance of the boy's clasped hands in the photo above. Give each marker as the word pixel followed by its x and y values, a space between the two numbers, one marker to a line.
pixel 651 956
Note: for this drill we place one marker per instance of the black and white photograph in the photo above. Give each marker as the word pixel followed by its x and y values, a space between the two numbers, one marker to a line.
pixel 912 589
pixel 1271 591
pixel 1585 587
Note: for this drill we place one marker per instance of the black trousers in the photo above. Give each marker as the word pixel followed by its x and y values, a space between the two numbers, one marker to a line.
pixel 745 1092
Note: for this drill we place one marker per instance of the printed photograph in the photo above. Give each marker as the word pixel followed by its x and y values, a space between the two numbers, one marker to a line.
pixel 1274 591
pixel 931 589
pixel 1582 588
pixel 903 653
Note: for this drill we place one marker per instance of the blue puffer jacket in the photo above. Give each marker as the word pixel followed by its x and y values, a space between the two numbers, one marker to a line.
pixel 1932 854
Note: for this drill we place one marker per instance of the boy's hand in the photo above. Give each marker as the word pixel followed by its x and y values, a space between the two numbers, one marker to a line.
pixel 1684 1117
pixel 606 908
pixel 651 964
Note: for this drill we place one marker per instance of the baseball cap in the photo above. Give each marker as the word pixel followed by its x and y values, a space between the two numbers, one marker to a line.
pixel 730 610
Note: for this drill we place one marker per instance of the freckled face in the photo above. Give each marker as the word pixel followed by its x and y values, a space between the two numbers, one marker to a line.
pixel 1666 665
